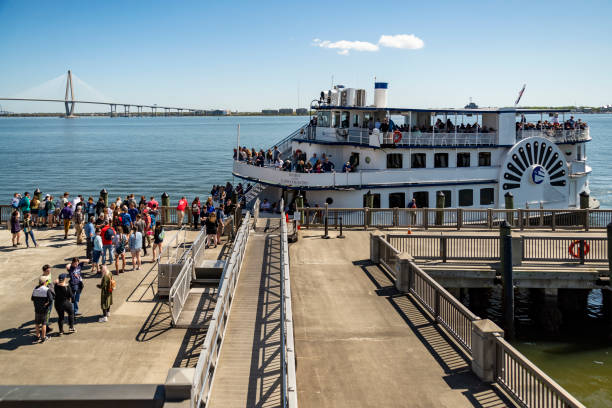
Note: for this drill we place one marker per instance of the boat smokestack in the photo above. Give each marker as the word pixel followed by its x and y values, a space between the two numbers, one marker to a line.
pixel 380 94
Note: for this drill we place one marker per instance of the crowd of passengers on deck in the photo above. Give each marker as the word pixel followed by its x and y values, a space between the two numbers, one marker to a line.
pixel 298 162
pixel 553 124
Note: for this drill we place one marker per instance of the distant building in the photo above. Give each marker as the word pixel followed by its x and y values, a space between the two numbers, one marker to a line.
pixel 301 111
pixel 286 111
pixel 269 111
pixel 218 112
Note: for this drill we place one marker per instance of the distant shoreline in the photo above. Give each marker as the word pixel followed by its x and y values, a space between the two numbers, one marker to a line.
pixel 134 115
pixel 574 110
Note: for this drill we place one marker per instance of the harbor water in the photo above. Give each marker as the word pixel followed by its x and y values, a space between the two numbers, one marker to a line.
pixel 188 155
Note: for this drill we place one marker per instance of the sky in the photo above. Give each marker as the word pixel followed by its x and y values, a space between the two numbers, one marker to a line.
pixel 249 56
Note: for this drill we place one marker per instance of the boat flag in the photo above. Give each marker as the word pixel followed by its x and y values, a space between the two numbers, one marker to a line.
pixel 520 94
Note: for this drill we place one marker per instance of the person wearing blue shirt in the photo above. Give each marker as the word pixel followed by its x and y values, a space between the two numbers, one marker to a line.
pixel 90 234
pixel 126 220
pixel 133 211
pixel 346 168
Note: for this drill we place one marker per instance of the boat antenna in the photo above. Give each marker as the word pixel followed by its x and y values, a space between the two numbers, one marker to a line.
pixel 520 95
pixel 332 85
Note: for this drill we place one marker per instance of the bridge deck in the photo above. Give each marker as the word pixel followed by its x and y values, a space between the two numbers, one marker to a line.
pixel 248 373
pixel 362 344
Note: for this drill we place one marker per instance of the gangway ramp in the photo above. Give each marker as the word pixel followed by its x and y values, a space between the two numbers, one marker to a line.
pixel 249 373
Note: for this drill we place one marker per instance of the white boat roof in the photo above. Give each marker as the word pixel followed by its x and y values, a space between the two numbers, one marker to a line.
pixel 441 110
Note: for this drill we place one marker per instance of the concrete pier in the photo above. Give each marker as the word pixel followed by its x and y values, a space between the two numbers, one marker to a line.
pixel 136 346
pixel 361 343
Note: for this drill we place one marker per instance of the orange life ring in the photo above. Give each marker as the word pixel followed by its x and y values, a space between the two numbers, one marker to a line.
pixel 575 254
pixel 397 137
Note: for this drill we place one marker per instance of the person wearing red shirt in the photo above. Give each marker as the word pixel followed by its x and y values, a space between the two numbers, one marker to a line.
pixel 152 204
pixel 107 242
pixel 180 210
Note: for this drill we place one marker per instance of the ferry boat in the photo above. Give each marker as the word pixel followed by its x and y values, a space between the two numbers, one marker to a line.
pixel 474 156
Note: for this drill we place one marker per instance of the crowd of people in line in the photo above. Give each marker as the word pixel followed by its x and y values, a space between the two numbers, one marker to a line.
pixel 553 124
pixel 108 232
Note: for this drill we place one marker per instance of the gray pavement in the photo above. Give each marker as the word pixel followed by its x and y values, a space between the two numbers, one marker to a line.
pixel 361 344
pixel 135 346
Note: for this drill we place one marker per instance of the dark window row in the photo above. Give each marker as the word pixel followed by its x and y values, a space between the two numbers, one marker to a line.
pixel 419 160
pixel 466 198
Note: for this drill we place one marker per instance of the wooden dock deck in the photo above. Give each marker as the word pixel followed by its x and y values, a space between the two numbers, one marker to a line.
pixel 249 373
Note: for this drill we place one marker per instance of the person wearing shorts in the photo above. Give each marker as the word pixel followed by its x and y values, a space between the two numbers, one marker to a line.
pixel 41 297
pixel 97 251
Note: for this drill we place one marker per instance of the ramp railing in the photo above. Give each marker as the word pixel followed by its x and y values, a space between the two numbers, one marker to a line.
pixel 289 390
pixel 525 383
pixel 211 350
pixel 459 218
pixel 179 291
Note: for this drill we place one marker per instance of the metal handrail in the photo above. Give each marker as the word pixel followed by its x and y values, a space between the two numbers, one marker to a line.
pixel 462 218
pixel 289 382
pixel 525 382
pixel 211 350
pixel 446 309
pixel 180 290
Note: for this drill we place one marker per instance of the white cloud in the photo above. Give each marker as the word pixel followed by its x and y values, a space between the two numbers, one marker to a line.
pixel 345 46
pixel 403 41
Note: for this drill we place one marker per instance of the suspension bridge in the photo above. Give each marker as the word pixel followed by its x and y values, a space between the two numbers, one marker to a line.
pixel 70 102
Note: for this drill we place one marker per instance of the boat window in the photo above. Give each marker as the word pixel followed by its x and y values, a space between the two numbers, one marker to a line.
pixel 579 152
pixel 345 120
pixel 355 120
pixel 419 161
pixel 466 198
pixel 484 158
pixel 441 160
pixel 394 161
pixel 376 200
pixel 487 196
pixel 323 118
pixel 336 119
pixel 422 199
pixel 463 160
pixel 397 200
pixel 448 198
pixel 367 118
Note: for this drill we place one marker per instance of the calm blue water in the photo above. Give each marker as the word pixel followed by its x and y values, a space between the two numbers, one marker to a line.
pixel 128 155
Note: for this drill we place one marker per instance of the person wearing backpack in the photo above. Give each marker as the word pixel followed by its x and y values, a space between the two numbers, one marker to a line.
pixel 107 285
pixel 121 242
pixel 158 238
pixel 97 251
pixel 76 282
pixel 196 206
pixel 107 234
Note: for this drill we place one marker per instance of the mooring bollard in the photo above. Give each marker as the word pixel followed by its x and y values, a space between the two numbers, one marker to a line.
pixel 326 236
pixel 340 235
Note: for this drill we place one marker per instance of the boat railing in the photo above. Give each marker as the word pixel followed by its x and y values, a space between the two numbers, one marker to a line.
pixel 523 381
pixel 458 218
pixel 440 139
pixel 556 135
pixel 364 137
pixel 305 131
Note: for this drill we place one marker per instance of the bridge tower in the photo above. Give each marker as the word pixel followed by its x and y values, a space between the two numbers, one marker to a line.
pixel 69 104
